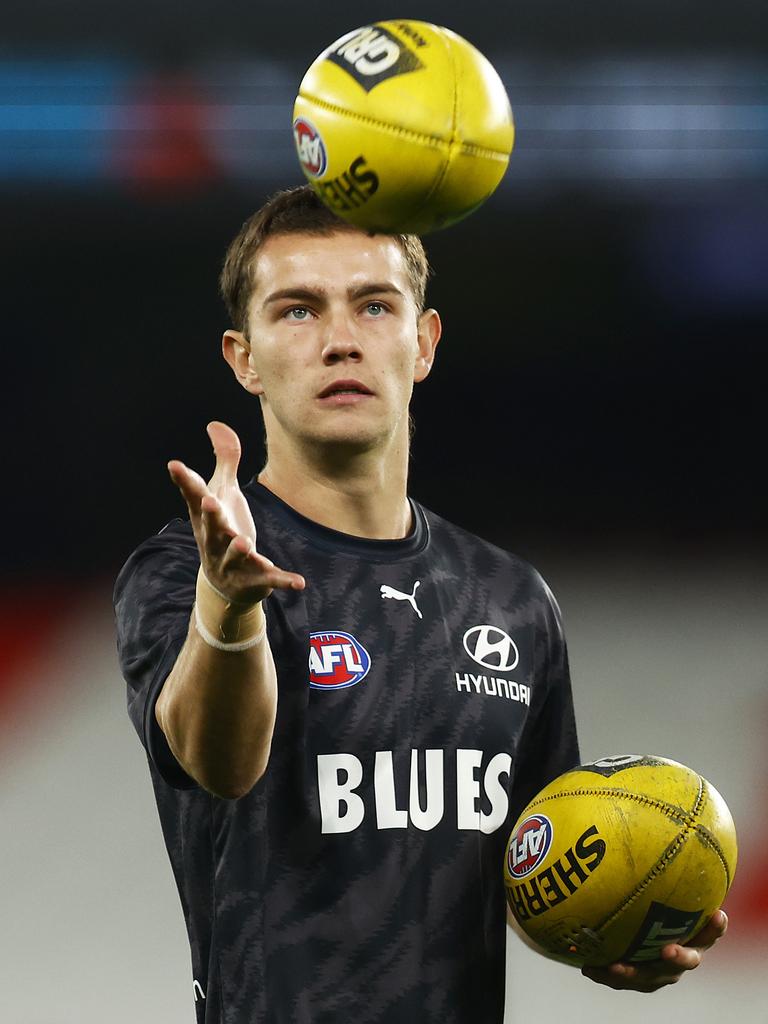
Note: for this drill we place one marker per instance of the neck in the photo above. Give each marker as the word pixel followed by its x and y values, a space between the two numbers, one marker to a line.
pixel 362 493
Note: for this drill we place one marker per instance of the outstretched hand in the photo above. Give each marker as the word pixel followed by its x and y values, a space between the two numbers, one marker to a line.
pixel 224 528
pixel 675 961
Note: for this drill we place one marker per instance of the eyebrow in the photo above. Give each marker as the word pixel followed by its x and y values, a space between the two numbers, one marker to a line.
pixel 310 294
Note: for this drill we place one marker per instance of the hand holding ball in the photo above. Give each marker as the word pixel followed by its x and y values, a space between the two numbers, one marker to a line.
pixel 402 127
pixel 616 859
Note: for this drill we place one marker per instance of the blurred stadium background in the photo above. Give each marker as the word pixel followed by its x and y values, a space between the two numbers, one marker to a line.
pixel 596 407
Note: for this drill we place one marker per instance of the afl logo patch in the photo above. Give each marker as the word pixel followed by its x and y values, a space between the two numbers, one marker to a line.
pixel 336 660
pixel 529 845
pixel 310 147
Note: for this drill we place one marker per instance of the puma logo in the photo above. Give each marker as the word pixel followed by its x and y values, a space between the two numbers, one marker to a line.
pixel 398 595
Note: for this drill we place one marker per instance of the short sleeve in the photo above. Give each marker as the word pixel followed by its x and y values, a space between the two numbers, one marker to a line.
pixel 550 743
pixel 153 599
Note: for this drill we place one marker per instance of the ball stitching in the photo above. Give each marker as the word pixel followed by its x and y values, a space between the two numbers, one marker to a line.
pixel 666 857
pixel 686 818
pixel 670 810
pixel 451 144
pixel 468 148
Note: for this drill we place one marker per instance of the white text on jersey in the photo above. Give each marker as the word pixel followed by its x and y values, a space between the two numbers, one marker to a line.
pixel 493 687
pixel 342 809
pixel 324 663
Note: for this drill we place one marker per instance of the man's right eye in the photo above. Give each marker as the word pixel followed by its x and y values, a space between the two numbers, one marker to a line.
pixel 296 313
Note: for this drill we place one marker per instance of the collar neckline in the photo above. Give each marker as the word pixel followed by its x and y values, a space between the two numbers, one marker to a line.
pixel 345 543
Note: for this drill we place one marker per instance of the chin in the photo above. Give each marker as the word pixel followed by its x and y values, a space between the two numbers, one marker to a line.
pixel 353 443
pixel 348 438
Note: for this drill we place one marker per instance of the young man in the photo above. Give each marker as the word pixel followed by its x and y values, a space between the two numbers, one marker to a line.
pixel 345 700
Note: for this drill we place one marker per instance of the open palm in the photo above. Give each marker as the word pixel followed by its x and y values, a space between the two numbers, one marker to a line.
pixel 224 528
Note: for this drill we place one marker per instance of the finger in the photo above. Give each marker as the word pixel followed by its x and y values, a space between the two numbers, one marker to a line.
pixel 612 972
pixel 226 447
pixel 282 580
pixel 630 975
pixel 185 478
pixel 243 548
pixel 674 960
pixel 616 976
pixel 217 528
pixel 713 930
pixel 276 578
pixel 681 958
pixel 216 513
pixel 192 486
pixel 688 955
pixel 626 977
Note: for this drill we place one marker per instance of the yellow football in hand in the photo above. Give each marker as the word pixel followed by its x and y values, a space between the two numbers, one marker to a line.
pixel 616 859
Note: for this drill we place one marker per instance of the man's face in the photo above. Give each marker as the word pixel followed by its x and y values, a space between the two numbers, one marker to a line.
pixel 336 341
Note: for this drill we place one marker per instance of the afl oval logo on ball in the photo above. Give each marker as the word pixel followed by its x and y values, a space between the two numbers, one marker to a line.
pixel 529 845
pixel 336 660
pixel 310 147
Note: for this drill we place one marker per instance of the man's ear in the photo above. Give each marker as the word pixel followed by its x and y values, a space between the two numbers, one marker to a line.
pixel 430 329
pixel 236 349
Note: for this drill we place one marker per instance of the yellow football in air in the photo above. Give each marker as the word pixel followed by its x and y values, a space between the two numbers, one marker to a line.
pixel 402 127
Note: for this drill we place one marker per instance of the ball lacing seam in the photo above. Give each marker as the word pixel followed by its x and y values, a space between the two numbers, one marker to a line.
pixel 667 856
pixel 671 811
pixel 467 148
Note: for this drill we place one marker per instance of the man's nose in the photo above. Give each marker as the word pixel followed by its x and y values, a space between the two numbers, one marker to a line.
pixel 341 340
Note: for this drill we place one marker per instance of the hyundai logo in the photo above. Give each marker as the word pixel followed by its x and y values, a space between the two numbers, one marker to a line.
pixel 491 647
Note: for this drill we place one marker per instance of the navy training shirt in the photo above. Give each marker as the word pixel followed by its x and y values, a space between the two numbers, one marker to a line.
pixel 423 699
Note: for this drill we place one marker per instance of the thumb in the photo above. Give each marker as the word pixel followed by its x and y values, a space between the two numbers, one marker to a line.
pixel 226 448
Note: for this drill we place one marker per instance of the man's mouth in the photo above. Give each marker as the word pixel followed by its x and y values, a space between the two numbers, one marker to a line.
pixel 344 387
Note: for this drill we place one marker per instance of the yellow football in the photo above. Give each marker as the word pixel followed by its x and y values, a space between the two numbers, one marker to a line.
pixel 617 858
pixel 402 126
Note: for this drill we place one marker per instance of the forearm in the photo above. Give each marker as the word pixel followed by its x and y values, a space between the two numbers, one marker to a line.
pixel 217 711
pixel 217 707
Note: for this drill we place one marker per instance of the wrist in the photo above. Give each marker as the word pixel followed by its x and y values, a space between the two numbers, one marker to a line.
pixel 226 624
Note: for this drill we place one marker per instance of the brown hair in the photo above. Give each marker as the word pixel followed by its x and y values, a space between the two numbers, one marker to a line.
pixel 297 210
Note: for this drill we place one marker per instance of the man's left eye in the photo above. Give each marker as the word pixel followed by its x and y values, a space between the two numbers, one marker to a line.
pixel 375 308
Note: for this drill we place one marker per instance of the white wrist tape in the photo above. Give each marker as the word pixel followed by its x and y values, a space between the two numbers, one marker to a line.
pixel 222 645
pixel 225 624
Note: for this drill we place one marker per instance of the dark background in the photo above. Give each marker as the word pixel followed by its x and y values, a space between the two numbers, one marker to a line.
pixel 600 381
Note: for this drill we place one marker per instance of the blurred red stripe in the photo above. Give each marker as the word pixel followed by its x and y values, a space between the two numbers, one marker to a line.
pixel 29 616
